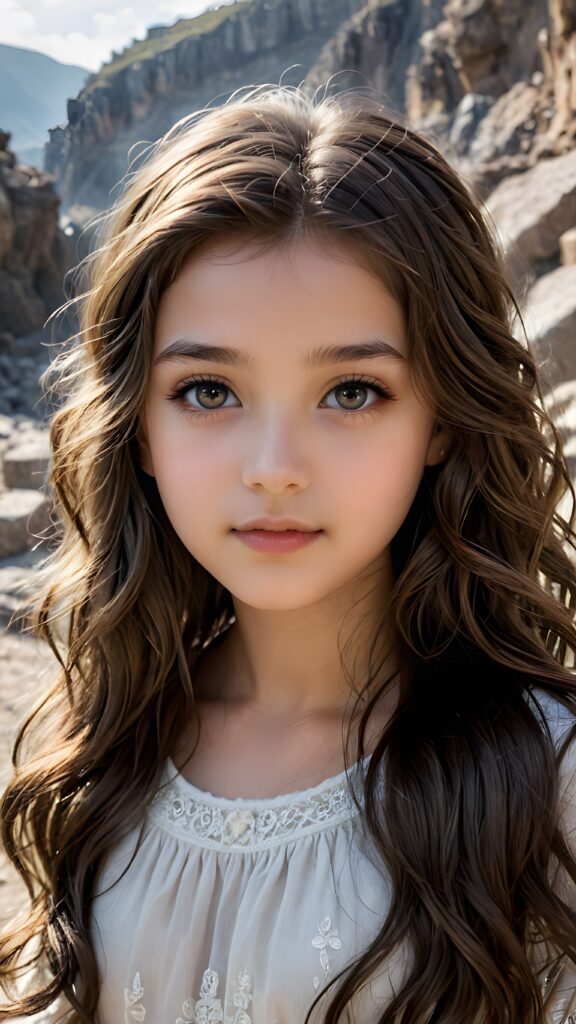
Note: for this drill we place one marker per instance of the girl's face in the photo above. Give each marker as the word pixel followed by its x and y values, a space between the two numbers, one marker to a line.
pixel 294 422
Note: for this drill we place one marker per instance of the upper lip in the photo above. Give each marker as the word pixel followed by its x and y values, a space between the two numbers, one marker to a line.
pixel 271 523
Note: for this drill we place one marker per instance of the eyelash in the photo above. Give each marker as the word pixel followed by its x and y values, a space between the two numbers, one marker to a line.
pixel 177 394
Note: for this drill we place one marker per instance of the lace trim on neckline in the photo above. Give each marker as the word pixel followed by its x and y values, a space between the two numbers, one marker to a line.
pixel 248 824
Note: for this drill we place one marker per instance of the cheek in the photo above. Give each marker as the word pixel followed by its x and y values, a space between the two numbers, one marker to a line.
pixel 181 460
pixel 376 487
pixel 191 478
pixel 191 488
pixel 386 469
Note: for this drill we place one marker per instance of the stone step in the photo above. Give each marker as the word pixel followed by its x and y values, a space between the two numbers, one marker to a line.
pixel 24 515
pixel 26 464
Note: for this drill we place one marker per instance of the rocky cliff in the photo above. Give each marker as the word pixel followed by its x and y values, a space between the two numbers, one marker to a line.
pixel 144 91
pixel 379 44
pixel 493 80
pixel 34 251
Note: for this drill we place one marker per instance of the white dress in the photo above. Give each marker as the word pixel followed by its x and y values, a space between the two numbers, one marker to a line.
pixel 240 911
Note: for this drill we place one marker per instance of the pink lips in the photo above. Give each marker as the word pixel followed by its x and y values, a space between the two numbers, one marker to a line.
pixel 277 541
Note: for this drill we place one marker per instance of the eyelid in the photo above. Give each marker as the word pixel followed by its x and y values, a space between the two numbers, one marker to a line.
pixel 202 378
pixel 379 387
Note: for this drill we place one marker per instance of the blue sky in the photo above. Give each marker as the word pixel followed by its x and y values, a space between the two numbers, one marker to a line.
pixel 85 32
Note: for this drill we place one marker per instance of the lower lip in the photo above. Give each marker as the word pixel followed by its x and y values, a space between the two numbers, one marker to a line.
pixel 276 541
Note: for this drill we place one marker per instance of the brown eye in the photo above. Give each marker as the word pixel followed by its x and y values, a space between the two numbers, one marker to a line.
pixel 207 391
pixel 354 390
pixel 207 394
pixel 348 393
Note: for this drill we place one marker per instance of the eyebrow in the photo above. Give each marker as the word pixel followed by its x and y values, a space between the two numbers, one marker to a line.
pixel 187 348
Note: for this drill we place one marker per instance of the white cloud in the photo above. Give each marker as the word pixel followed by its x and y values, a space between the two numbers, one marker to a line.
pixel 86 33
pixel 109 24
pixel 173 9
pixel 15 20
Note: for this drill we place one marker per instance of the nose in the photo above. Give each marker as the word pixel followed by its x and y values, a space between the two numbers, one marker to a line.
pixel 276 456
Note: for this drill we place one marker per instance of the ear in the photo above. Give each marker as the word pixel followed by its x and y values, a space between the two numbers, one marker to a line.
pixel 144 455
pixel 439 447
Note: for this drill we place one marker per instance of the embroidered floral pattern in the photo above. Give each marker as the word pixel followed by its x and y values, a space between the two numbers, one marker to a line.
pixel 326 938
pixel 208 1009
pixel 188 1011
pixel 216 823
pixel 133 1008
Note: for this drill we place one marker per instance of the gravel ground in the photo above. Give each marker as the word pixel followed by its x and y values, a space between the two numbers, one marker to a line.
pixel 23 665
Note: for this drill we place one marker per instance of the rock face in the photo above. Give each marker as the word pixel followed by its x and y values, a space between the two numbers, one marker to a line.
pixel 493 80
pixel 34 251
pixel 255 41
pixel 377 44
pixel 26 664
pixel 532 113
pixel 428 56
pixel 551 322
pixel 534 227
pixel 494 44
pixel 558 47
pixel 35 255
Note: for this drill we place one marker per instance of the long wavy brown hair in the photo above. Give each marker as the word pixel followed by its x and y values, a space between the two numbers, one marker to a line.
pixel 483 602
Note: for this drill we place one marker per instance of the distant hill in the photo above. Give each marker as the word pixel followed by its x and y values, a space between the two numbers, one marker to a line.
pixel 34 89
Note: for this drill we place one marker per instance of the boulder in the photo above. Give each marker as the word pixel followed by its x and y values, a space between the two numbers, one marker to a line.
pixel 26 464
pixel 550 319
pixel 531 210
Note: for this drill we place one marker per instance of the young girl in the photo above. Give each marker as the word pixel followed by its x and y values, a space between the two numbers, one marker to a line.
pixel 309 755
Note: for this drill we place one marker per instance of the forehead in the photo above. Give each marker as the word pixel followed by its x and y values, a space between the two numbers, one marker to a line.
pixel 303 286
